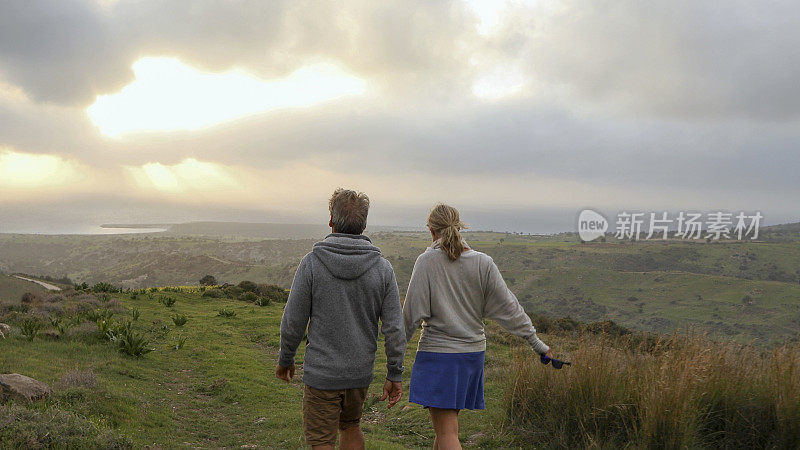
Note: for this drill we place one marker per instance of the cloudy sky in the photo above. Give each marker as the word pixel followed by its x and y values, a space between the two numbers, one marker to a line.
pixel 520 113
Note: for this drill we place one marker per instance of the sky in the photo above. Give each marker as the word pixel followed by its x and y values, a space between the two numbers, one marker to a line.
pixel 519 113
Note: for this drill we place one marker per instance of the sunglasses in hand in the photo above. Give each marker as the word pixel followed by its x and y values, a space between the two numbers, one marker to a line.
pixel 557 363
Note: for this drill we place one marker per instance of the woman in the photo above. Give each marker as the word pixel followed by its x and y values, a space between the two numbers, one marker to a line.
pixel 452 289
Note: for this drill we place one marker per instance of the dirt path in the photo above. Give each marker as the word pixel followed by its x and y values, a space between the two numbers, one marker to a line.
pixel 48 286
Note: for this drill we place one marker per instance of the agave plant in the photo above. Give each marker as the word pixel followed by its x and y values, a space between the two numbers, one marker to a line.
pixel 133 343
pixel 169 302
pixel 180 342
pixel 30 328
pixel 63 327
pixel 179 320
pixel 225 312
pixel 135 313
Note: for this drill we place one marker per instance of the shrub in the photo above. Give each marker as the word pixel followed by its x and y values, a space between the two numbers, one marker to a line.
pixel 273 292
pixel 248 286
pixel 104 287
pixel 208 280
pixel 28 297
pixel 249 297
pixel 135 314
pixel 54 298
pixel 231 291
pixel 30 327
pixel 213 293
pixel 169 302
pixel 133 344
pixel 262 301
pixel 21 427
pixel 225 312
pixel 179 320
pixel 52 309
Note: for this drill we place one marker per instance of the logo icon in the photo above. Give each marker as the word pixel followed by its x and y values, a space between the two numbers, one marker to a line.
pixel 591 225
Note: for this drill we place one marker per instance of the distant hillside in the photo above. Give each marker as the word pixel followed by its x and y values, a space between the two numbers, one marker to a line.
pixel 11 288
pixel 249 230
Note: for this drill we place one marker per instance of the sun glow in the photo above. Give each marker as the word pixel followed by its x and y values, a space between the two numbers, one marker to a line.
pixel 31 171
pixel 170 95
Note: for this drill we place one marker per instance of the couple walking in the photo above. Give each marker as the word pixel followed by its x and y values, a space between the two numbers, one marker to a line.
pixel 344 289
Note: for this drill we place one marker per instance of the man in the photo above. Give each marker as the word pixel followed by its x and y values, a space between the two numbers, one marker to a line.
pixel 340 292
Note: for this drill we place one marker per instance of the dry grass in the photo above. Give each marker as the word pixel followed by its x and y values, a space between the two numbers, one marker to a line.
pixel 78 378
pixel 686 391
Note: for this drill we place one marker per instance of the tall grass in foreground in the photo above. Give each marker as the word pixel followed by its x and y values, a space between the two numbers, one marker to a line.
pixel 686 391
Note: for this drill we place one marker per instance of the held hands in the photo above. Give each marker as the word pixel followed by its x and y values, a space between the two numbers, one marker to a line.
pixel 393 390
pixel 284 373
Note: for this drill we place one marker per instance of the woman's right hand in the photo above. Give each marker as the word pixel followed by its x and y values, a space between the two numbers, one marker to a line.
pixel 549 353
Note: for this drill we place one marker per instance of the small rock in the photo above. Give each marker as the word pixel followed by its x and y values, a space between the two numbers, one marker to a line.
pixel 4 330
pixel 14 385
pixel 407 407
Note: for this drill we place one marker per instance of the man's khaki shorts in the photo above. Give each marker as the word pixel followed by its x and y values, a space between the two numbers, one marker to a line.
pixel 325 412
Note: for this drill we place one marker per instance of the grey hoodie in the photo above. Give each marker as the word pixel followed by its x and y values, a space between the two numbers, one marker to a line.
pixel 342 288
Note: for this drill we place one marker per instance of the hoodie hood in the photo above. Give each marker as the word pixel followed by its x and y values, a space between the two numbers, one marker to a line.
pixel 347 256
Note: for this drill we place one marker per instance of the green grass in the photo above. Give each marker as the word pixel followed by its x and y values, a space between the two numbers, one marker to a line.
pixel 552 274
pixel 219 390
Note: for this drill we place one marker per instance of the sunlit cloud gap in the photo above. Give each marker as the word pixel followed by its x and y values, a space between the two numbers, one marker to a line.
pixel 170 95
pixel 31 171
pixel 190 175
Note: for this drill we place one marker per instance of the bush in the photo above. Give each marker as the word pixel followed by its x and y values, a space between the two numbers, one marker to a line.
pixel 135 314
pixel 248 286
pixel 21 427
pixel 179 320
pixel 249 297
pixel 231 291
pixel 30 327
pixel 104 287
pixel 262 301
pixel 28 297
pixel 208 280
pixel 273 292
pixel 225 312
pixel 54 298
pixel 169 302
pixel 213 293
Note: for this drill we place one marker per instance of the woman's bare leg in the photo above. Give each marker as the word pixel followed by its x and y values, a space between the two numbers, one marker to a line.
pixel 445 424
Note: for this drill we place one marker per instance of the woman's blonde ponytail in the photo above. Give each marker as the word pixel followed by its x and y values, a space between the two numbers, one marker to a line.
pixel 445 222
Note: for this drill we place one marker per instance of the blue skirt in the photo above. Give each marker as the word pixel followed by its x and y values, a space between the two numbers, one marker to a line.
pixel 448 380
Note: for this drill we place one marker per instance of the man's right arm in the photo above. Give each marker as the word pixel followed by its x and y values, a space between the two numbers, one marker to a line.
pixel 296 313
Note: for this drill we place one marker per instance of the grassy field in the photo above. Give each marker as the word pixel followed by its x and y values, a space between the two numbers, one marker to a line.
pixel 745 291
pixel 217 391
